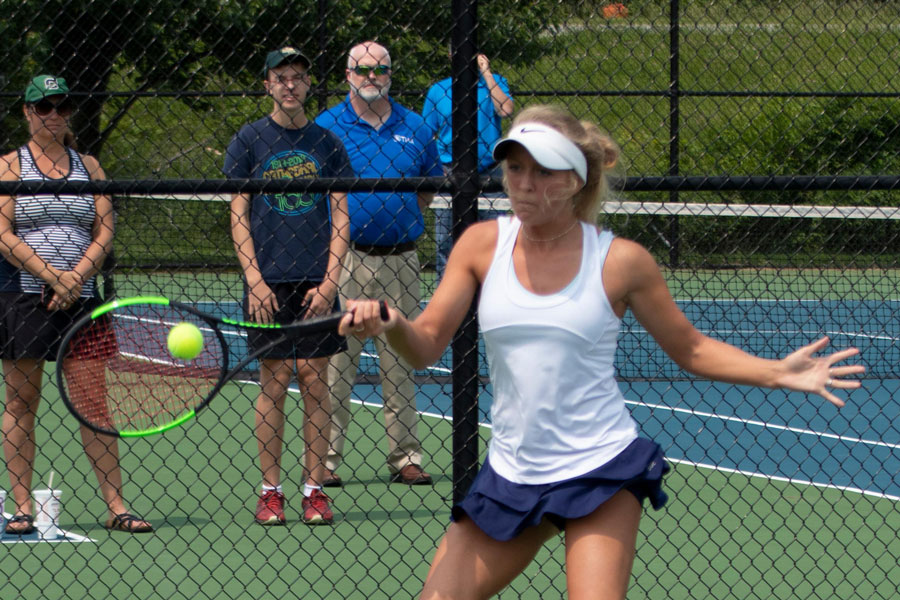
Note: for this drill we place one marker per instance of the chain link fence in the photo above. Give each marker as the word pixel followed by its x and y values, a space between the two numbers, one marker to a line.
pixel 761 156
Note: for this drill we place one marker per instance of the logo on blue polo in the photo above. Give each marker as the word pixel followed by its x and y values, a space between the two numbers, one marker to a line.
pixel 291 164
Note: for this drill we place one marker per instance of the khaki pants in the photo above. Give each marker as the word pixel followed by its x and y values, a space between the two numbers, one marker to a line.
pixel 393 278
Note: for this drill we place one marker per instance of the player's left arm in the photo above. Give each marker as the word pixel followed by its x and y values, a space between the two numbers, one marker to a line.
pixel 634 281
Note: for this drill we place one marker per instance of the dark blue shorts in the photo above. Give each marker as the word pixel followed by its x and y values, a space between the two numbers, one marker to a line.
pixel 291 307
pixel 503 509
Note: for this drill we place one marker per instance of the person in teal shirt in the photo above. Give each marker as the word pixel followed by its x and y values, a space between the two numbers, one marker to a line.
pixel 494 104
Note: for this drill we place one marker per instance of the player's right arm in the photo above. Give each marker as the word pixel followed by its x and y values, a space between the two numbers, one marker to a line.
pixel 422 341
pixel 261 303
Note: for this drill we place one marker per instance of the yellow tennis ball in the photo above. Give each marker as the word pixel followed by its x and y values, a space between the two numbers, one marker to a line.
pixel 185 341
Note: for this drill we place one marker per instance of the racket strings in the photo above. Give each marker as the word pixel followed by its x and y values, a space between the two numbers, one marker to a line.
pixel 120 376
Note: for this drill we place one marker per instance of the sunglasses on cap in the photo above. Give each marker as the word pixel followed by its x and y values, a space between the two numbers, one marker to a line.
pixel 364 70
pixel 44 107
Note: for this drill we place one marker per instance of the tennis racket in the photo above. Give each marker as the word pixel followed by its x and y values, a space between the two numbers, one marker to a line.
pixel 116 375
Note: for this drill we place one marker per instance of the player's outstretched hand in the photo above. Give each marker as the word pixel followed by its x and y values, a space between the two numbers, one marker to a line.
pixel 367 318
pixel 818 374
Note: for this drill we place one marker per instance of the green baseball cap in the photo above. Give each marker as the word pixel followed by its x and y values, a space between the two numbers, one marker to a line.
pixel 44 86
pixel 284 56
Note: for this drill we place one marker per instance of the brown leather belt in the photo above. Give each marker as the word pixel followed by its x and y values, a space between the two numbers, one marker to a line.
pixel 384 250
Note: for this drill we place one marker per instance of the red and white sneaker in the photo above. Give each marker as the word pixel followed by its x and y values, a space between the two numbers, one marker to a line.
pixel 270 508
pixel 316 510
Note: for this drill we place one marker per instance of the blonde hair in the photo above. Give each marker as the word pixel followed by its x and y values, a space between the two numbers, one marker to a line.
pixel 600 152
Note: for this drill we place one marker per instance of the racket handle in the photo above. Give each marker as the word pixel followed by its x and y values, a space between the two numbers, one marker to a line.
pixel 384 311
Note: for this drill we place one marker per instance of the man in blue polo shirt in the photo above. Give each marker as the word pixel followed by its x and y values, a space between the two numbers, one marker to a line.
pixel 383 139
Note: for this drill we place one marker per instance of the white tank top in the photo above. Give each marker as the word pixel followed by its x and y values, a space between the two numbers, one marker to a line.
pixel 557 411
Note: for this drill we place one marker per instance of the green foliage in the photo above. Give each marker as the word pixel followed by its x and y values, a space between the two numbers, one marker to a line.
pixel 168 233
pixel 166 45
pixel 612 72
pixel 155 233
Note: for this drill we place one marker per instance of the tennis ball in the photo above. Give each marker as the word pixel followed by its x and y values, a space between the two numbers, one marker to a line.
pixel 185 341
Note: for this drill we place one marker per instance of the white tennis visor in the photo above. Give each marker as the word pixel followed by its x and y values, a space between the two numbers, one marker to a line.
pixel 550 148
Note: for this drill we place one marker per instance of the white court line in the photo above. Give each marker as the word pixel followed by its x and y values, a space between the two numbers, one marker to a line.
pixel 843 488
pixel 794 332
pixel 171 323
pixel 69 537
pixel 762 424
pixel 766 425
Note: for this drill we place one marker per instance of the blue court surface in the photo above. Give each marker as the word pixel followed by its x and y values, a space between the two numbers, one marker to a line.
pixel 761 433
pixel 765 433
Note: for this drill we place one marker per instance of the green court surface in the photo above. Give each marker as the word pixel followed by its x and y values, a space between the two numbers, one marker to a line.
pixel 722 535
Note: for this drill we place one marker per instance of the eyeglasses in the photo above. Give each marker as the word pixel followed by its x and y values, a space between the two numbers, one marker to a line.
pixel 364 70
pixel 298 79
pixel 45 107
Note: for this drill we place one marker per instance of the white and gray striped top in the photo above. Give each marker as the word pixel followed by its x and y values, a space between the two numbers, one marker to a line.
pixel 58 227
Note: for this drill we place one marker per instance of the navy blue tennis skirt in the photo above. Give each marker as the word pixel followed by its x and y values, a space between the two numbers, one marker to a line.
pixel 503 509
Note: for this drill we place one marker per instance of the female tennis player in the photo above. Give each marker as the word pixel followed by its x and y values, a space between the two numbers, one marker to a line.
pixel 51 247
pixel 564 453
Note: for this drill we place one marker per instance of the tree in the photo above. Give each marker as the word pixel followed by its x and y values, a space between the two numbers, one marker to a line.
pixel 165 45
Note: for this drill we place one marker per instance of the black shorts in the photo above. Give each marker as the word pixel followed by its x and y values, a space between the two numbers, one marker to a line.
pixel 29 330
pixel 291 307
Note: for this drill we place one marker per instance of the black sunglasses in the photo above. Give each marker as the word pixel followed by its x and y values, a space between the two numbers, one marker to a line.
pixel 45 107
pixel 364 70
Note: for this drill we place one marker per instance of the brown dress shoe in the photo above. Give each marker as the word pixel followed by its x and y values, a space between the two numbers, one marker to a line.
pixel 411 475
pixel 332 480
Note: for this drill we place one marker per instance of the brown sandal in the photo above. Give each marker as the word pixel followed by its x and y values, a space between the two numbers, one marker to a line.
pixel 128 523
pixel 27 519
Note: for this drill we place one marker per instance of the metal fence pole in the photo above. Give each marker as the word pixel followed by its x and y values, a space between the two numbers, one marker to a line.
pixel 464 212
pixel 674 121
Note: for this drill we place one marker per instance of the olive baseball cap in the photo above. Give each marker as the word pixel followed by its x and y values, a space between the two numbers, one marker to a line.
pixel 284 56
pixel 44 86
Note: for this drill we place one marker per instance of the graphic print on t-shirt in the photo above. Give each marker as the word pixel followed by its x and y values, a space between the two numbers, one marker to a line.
pixel 291 164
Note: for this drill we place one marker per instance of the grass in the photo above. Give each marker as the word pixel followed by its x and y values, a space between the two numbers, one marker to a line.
pixel 799 55
pixel 729 45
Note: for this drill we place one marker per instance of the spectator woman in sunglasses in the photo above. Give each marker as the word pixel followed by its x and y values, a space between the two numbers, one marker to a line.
pixel 51 248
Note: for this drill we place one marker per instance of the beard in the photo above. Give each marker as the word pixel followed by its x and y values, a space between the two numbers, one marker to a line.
pixel 371 93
